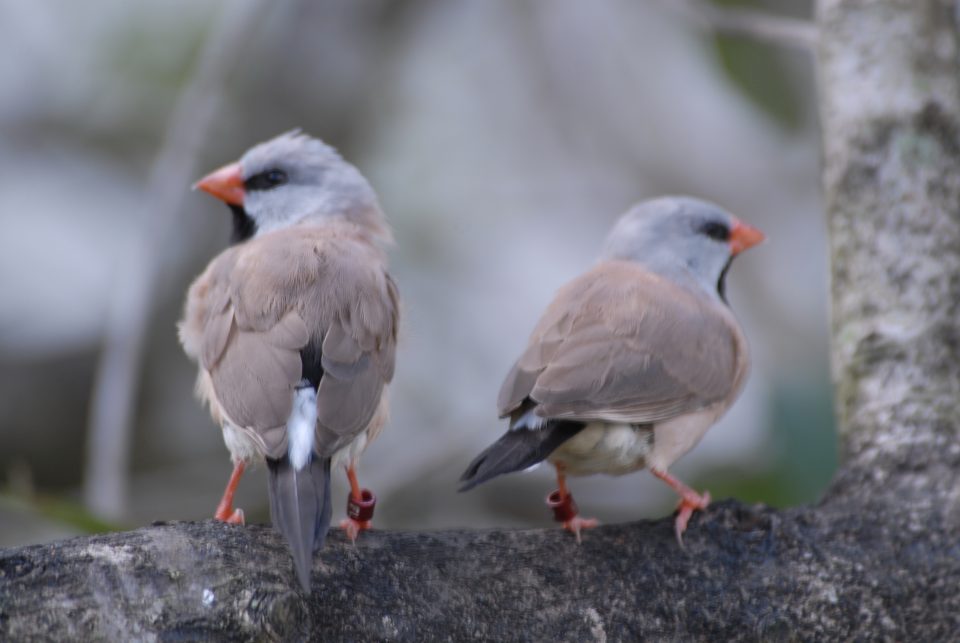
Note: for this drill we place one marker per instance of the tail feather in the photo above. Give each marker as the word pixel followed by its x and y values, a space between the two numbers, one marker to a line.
pixel 518 449
pixel 300 509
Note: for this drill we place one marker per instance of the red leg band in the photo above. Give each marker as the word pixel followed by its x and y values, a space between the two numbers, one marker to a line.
pixel 361 510
pixel 564 508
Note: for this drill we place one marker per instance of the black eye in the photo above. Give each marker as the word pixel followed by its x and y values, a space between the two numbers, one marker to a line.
pixel 266 180
pixel 716 230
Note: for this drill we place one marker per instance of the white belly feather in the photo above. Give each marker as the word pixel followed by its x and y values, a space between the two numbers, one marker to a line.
pixel 616 448
pixel 600 447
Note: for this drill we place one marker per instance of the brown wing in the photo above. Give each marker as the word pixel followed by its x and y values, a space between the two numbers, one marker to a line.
pixel 622 344
pixel 261 305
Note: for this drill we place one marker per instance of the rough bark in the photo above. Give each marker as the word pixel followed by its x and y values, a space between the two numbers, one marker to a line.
pixel 746 573
pixel 879 558
pixel 890 103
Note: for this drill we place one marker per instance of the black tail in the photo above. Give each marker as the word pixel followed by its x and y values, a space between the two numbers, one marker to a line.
pixel 300 509
pixel 518 449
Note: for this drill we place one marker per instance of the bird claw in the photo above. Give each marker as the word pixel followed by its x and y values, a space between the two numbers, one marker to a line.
pixel 359 511
pixel 234 517
pixel 354 527
pixel 688 504
pixel 565 512
pixel 225 511
pixel 690 501
pixel 577 523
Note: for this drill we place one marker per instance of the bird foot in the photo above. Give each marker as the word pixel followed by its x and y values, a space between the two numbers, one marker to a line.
pixel 225 511
pixel 359 514
pixel 565 511
pixel 354 527
pixel 688 504
pixel 230 515
pixel 690 501
pixel 577 523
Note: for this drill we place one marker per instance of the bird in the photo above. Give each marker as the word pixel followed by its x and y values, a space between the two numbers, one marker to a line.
pixel 632 361
pixel 294 331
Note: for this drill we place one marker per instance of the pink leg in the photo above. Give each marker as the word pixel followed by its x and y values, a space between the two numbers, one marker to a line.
pixel 565 509
pixel 225 510
pixel 690 501
pixel 360 507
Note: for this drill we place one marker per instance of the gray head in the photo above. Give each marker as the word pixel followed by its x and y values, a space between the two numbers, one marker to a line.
pixel 684 239
pixel 290 179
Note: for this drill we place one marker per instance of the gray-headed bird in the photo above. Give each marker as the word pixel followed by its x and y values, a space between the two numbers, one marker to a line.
pixel 633 361
pixel 294 330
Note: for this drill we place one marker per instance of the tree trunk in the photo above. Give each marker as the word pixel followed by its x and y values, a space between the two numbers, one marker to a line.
pixel 890 103
pixel 878 558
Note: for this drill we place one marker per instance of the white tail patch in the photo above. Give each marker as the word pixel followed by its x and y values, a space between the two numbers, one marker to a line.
pixel 529 420
pixel 301 426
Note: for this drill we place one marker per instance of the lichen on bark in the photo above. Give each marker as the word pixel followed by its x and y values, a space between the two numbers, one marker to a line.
pixel 890 100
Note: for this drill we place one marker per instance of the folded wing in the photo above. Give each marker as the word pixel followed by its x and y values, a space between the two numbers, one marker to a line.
pixel 287 297
pixel 622 344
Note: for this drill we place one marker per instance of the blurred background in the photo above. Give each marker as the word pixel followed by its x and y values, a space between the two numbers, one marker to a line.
pixel 503 139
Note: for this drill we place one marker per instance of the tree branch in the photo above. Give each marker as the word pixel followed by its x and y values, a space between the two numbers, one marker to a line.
pixel 746 572
pixel 757 25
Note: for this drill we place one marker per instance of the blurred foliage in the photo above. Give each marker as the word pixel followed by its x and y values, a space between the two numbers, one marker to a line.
pixel 68 513
pixel 805 451
pixel 760 71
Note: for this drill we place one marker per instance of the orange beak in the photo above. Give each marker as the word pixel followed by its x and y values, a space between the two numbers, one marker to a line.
pixel 744 236
pixel 226 184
